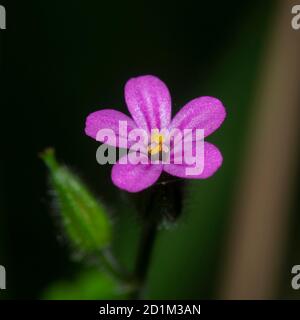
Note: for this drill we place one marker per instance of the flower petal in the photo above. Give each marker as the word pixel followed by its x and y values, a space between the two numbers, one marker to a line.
pixel 206 113
pixel 135 177
pixel 149 102
pixel 212 161
pixel 108 119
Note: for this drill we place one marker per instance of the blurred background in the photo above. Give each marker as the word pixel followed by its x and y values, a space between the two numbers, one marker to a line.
pixel 238 235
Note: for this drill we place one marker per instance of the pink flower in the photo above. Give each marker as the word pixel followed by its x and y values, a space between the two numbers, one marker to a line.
pixel 149 103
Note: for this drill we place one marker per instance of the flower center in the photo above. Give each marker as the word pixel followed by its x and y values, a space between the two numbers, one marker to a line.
pixel 156 146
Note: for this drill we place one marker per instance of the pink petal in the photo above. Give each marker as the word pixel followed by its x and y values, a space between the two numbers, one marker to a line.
pixel 212 161
pixel 206 113
pixel 149 102
pixel 108 119
pixel 135 177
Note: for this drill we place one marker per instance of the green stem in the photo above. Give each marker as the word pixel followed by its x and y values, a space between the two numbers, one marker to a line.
pixel 145 250
pixel 163 202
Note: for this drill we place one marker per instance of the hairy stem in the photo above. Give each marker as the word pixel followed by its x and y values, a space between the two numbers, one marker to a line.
pixel 163 204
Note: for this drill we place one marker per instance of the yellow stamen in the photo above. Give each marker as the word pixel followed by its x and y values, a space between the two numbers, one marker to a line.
pixel 156 144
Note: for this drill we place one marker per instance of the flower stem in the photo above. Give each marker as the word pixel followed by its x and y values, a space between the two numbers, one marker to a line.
pixel 163 204
pixel 145 250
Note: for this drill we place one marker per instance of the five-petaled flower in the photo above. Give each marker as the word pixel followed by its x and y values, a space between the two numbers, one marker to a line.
pixel 149 103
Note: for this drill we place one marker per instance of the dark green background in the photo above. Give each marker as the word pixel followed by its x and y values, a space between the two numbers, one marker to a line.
pixel 61 60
